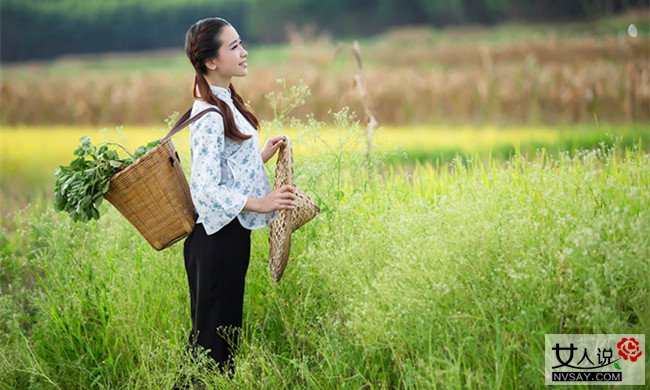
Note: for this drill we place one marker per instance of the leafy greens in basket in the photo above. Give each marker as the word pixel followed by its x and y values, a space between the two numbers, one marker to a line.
pixel 80 187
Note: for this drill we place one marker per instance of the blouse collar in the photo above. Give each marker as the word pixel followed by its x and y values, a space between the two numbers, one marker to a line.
pixel 221 92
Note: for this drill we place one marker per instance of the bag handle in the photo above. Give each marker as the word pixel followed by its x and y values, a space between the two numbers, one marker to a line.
pixel 185 120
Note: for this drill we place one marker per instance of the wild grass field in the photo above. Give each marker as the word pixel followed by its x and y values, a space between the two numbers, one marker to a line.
pixel 435 278
pixel 439 260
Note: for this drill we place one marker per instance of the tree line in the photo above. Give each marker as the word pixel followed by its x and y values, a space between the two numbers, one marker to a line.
pixel 41 29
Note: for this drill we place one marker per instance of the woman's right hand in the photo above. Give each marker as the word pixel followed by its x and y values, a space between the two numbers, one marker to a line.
pixel 282 198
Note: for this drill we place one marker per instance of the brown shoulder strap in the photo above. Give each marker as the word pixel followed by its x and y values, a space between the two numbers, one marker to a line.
pixel 185 120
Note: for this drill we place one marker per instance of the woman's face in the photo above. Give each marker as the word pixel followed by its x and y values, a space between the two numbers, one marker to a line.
pixel 231 59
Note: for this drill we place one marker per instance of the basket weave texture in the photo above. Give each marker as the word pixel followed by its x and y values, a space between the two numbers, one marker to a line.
pixel 288 221
pixel 154 196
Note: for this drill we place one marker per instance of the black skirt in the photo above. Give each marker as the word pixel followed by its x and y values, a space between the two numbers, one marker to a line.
pixel 216 268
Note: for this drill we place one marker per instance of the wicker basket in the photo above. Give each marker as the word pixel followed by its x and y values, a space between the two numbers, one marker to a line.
pixel 153 193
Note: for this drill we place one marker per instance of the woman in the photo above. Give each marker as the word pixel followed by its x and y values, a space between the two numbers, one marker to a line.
pixel 229 188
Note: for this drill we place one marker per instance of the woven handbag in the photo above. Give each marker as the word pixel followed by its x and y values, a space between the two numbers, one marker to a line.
pixel 153 193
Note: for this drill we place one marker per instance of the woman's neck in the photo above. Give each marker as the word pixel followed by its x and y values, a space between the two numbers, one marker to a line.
pixel 214 79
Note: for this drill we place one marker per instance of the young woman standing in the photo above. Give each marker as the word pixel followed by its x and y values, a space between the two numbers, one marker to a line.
pixel 229 187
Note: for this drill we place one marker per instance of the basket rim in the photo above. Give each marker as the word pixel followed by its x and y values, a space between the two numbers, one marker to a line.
pixel 143 158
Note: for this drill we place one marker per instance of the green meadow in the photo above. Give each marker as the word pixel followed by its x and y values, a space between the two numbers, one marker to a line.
pixel 422 275
pixel 440 258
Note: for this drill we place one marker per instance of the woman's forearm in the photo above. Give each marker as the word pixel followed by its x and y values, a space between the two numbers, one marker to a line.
pixel 252 204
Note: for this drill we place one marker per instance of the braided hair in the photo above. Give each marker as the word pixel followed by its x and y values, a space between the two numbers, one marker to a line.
pixel 202 42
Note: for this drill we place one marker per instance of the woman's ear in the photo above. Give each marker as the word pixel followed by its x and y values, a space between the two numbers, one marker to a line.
pixel 212 64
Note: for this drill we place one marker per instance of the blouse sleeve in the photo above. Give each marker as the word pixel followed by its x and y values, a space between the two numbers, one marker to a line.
pixel 217 203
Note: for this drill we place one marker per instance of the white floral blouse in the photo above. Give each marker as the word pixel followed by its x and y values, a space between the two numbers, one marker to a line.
pixel 225 173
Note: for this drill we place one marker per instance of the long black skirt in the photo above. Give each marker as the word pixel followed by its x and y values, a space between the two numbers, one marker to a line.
pixel 216 268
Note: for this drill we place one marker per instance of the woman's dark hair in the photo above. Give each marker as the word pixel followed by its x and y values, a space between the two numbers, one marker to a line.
pixel 201 44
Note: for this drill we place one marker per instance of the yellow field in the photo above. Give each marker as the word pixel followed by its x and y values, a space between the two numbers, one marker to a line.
pixel 31 149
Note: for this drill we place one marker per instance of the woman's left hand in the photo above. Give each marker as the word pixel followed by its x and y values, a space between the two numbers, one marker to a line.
pixel 272 146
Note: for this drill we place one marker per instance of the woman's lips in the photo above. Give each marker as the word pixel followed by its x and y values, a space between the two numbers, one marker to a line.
pixel 244 64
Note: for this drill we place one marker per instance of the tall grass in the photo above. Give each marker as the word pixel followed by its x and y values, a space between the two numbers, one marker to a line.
pixel 444 277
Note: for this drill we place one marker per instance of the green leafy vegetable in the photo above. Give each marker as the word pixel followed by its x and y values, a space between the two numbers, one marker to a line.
pixel 80 187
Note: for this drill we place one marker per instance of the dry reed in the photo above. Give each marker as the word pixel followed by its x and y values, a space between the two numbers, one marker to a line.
pixel 413 76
